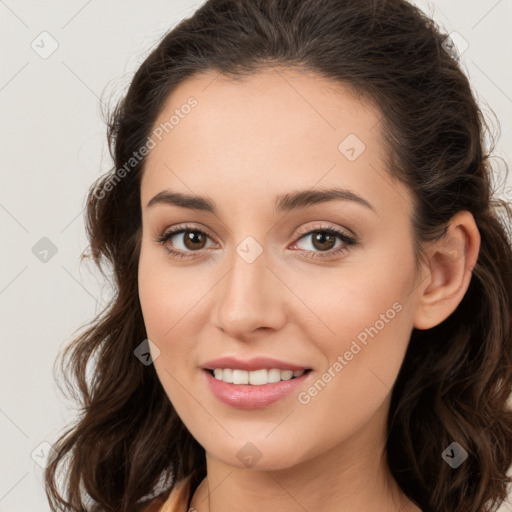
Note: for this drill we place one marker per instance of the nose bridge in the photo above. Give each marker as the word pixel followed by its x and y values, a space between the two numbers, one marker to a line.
pixel 246 299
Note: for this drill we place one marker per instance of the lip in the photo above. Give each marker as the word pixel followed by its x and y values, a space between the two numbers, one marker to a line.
pixel 248 396
pixel 257 363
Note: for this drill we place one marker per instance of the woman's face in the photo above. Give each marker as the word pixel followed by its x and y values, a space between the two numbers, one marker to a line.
pixel 258 276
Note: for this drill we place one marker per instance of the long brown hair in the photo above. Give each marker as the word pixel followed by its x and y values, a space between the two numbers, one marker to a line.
pixel 128 442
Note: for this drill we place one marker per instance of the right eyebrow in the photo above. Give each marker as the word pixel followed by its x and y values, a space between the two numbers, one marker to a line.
pixel 183 200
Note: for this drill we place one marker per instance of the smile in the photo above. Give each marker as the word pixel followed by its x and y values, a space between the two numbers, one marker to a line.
pixel 262 392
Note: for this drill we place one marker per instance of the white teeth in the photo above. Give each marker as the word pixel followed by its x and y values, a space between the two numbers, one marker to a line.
pixel 274 375
pixel 240 377
pixel 256 377
pixel 286 374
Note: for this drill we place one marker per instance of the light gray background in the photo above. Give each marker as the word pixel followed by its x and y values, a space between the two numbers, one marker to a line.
pixel 53 146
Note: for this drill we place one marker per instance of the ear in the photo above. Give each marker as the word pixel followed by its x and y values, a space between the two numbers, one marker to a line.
pixel 450 262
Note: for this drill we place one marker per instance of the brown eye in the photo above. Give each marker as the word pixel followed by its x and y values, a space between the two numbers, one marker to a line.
pixel 323 240
pixel 194 240
pixel 183 241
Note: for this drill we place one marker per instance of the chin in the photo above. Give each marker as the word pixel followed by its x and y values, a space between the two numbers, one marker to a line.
pixel 259 454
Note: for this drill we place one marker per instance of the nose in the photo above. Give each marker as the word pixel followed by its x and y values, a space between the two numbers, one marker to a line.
pixel 248 299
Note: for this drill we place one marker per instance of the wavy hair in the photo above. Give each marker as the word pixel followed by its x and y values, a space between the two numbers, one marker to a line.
pixel 128 443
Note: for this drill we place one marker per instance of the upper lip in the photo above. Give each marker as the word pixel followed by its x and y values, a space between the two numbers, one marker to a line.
pixel 255 363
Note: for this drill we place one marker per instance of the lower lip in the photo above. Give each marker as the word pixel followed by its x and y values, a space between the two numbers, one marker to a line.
pixel 248 396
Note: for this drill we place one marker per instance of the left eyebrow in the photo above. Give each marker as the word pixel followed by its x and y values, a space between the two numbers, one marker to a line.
pixel 283 203
pixel 304 198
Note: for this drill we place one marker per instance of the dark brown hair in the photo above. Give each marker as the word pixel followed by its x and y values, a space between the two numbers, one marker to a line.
pixel 128 442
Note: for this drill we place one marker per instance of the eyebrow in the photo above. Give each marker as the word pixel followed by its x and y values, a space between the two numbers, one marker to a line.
pixel 283 203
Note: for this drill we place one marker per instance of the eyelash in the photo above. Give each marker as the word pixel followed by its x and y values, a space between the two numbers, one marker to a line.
pixel 331 230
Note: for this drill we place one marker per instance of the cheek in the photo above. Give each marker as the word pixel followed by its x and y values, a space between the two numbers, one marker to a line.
pixel 360 299
pixel 366 326
pixel 364 318
pixel 166 294
pixel 172 302
pixel 163 310
pixel 157 305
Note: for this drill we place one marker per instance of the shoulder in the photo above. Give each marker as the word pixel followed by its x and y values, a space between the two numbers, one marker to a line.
pixel 177 501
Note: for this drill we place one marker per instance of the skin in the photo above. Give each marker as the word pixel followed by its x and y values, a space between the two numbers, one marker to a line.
pixel 246 142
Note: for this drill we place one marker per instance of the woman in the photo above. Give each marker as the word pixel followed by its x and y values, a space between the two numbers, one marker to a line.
pixel 313 281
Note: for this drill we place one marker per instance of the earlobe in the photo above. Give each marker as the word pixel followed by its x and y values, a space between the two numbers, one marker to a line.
pixel 450 262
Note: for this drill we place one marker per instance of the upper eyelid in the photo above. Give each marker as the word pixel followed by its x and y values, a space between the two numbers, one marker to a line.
pixel 325 227
pixel 181 228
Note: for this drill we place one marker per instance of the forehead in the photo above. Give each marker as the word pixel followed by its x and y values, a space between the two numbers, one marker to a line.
pixel 290 103
pixel 269 132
